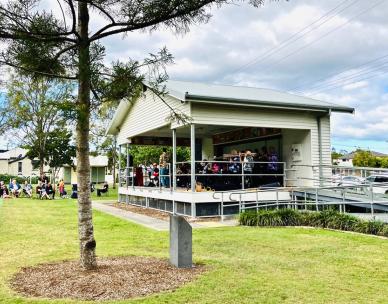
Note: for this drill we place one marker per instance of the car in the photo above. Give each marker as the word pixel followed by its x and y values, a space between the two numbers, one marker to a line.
pixel 379 183
pixel 351 180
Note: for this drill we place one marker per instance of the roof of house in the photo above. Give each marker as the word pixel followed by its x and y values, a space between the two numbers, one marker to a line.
pixel 13 154
pixel 96 161
pixel 351 155
pixel 232 95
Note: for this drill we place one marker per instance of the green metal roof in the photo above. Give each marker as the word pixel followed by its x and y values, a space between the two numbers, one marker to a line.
pixel 203 92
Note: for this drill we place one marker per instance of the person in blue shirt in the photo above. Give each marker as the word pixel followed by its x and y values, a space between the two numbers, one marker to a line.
pixel 15 188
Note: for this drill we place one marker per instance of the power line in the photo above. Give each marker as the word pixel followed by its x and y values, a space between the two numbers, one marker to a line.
pixel 291 39
pixel 345 80
pixel 323 79
pixel 325 35
pixel 339 85
pixel 348 81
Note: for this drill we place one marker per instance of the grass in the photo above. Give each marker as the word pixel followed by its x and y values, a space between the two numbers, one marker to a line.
pixel 247 264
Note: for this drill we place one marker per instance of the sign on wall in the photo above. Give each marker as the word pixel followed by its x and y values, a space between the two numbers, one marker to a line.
pixel 244 134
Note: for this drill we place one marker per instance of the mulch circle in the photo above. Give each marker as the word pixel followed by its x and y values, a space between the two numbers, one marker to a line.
pixel 115 279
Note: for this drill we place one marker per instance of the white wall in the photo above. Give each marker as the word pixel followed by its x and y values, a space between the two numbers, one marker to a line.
pixel 147 113
pixel 326 148
pixel 302 137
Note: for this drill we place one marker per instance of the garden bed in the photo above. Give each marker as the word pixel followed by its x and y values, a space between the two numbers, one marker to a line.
pixel 114 279
pixel 329 219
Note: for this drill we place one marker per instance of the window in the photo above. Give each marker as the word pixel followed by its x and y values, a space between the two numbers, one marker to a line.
pixel 20 167
pixel 381 179
pixel 371 179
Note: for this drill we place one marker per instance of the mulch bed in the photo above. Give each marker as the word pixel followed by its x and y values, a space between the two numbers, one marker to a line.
pixel 115 279
pixel 164 216
pixel 161 215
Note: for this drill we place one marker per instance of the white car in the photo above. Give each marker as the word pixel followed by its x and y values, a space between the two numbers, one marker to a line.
pixel 379 183
pixel 350 181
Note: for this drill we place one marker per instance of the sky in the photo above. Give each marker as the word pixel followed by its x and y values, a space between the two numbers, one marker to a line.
pixel 332 50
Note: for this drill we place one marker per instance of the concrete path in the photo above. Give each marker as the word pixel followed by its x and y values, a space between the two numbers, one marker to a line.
pixel 151 222
pixel 133 217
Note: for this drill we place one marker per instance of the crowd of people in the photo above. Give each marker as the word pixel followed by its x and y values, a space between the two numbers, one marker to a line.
pixel 43 190
pixel 260 168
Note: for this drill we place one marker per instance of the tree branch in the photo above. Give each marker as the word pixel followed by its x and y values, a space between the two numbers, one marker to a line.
pixel 100 8
pixel 37 72
pixel 127 26
pixel 74 17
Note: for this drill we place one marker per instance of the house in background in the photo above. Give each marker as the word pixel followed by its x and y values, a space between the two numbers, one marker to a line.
pixel 347 159
pixel 98 167
pixel 15 162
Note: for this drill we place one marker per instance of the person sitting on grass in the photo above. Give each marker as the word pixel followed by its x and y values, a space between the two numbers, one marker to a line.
pixel 43 193
pixel 104 189
pixel 15 188
pixel 27 189
pixel 1 188
pixel 5 192
pixel 39 189
pixel 50 192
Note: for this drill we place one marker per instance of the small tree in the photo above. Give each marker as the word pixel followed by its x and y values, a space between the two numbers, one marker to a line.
pixel 32 111
pixel 336 155
pixel 58 151
pixel 109 147
pixel 364 158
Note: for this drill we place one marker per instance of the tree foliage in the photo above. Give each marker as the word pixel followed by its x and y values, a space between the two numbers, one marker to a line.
pixel 336 155
pixel 147 155
pixel 363 158
pixel 58 150
pixel 32 111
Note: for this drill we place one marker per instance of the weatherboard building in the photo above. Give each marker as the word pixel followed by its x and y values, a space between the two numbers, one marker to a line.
pixel 223 120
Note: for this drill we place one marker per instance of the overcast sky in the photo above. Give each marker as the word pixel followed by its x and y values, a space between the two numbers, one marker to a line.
pixel 300 46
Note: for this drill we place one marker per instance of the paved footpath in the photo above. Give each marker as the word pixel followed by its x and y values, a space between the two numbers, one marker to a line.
pixel 151 222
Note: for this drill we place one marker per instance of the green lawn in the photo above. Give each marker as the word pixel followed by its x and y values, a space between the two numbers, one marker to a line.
pixel 247 265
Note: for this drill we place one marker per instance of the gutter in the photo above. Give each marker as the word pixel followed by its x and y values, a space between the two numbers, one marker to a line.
pixel 266 104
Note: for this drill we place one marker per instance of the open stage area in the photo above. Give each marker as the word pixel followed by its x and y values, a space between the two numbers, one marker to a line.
pixel 243 264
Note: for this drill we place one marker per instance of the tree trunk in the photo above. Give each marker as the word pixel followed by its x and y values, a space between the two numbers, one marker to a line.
pixel 41 165
pixel 85 223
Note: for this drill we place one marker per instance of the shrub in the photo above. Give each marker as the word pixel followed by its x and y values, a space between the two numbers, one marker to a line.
pixel 268 218
pixel 260 218
pixel 311 219
pixel 20 179
pixel 325 219
pixel 289 217
pixel 384 231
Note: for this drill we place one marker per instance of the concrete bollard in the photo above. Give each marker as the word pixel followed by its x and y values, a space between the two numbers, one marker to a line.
pixel 181 253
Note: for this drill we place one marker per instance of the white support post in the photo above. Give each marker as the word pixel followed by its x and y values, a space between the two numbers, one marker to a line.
pixel 192 152
pixel 119 166
pixel 127 172
pixel 173 159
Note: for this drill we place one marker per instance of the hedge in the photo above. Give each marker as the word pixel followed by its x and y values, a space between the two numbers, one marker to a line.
pixel 331 219
pixel 20 179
